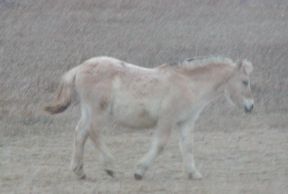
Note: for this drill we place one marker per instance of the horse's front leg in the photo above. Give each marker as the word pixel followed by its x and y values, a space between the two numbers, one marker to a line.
pixel 160 138
pixel 185 145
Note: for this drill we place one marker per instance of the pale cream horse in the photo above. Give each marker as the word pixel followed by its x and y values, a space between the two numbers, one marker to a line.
pixel 165 97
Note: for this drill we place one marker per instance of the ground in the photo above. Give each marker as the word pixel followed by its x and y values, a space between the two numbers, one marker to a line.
pixel 236 152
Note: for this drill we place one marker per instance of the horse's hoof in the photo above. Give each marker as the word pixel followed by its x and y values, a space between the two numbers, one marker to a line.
pixel 195 176
pixel 110 173
pixel 138 176
pixel 82 177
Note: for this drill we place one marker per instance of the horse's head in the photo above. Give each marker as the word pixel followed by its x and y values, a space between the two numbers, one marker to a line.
pixel 238 88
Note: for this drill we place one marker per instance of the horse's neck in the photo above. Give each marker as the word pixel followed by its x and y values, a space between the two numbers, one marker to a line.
pixel 208 82
pixel 215 75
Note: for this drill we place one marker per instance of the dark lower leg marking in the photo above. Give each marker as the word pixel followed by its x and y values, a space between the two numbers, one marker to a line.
pixel 138 176
pixel 110 172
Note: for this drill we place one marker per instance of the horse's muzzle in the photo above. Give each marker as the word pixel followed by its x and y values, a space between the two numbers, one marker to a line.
pixel 249 109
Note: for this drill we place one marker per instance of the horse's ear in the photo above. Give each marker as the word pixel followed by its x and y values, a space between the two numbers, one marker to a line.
pixel 246 66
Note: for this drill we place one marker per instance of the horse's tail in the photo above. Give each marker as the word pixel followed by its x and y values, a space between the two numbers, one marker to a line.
pixel 64 93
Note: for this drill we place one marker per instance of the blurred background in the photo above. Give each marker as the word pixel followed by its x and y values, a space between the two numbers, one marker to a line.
pixel 41 39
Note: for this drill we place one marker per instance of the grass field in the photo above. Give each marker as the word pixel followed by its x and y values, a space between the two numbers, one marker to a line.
pixel 237 153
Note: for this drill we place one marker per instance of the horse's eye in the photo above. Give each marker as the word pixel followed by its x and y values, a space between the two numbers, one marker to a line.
pixel 245 83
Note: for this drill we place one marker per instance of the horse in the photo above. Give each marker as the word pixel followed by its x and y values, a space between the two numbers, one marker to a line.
pixel 166 97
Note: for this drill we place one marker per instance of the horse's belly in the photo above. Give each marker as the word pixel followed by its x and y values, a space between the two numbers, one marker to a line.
pixel 134 115
pixel 136 101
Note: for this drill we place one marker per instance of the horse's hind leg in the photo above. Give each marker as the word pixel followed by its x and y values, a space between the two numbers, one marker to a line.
pixel 160 139
pixel 185 145
pixel 105 155
pixel 80 137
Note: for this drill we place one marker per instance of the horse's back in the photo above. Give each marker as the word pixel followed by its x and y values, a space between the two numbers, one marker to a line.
pixel 126 91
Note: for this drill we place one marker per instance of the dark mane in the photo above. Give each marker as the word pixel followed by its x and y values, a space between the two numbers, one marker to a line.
pixel 202 61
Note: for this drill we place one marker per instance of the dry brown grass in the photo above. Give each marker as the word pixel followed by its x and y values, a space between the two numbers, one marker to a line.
pixel 39 40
